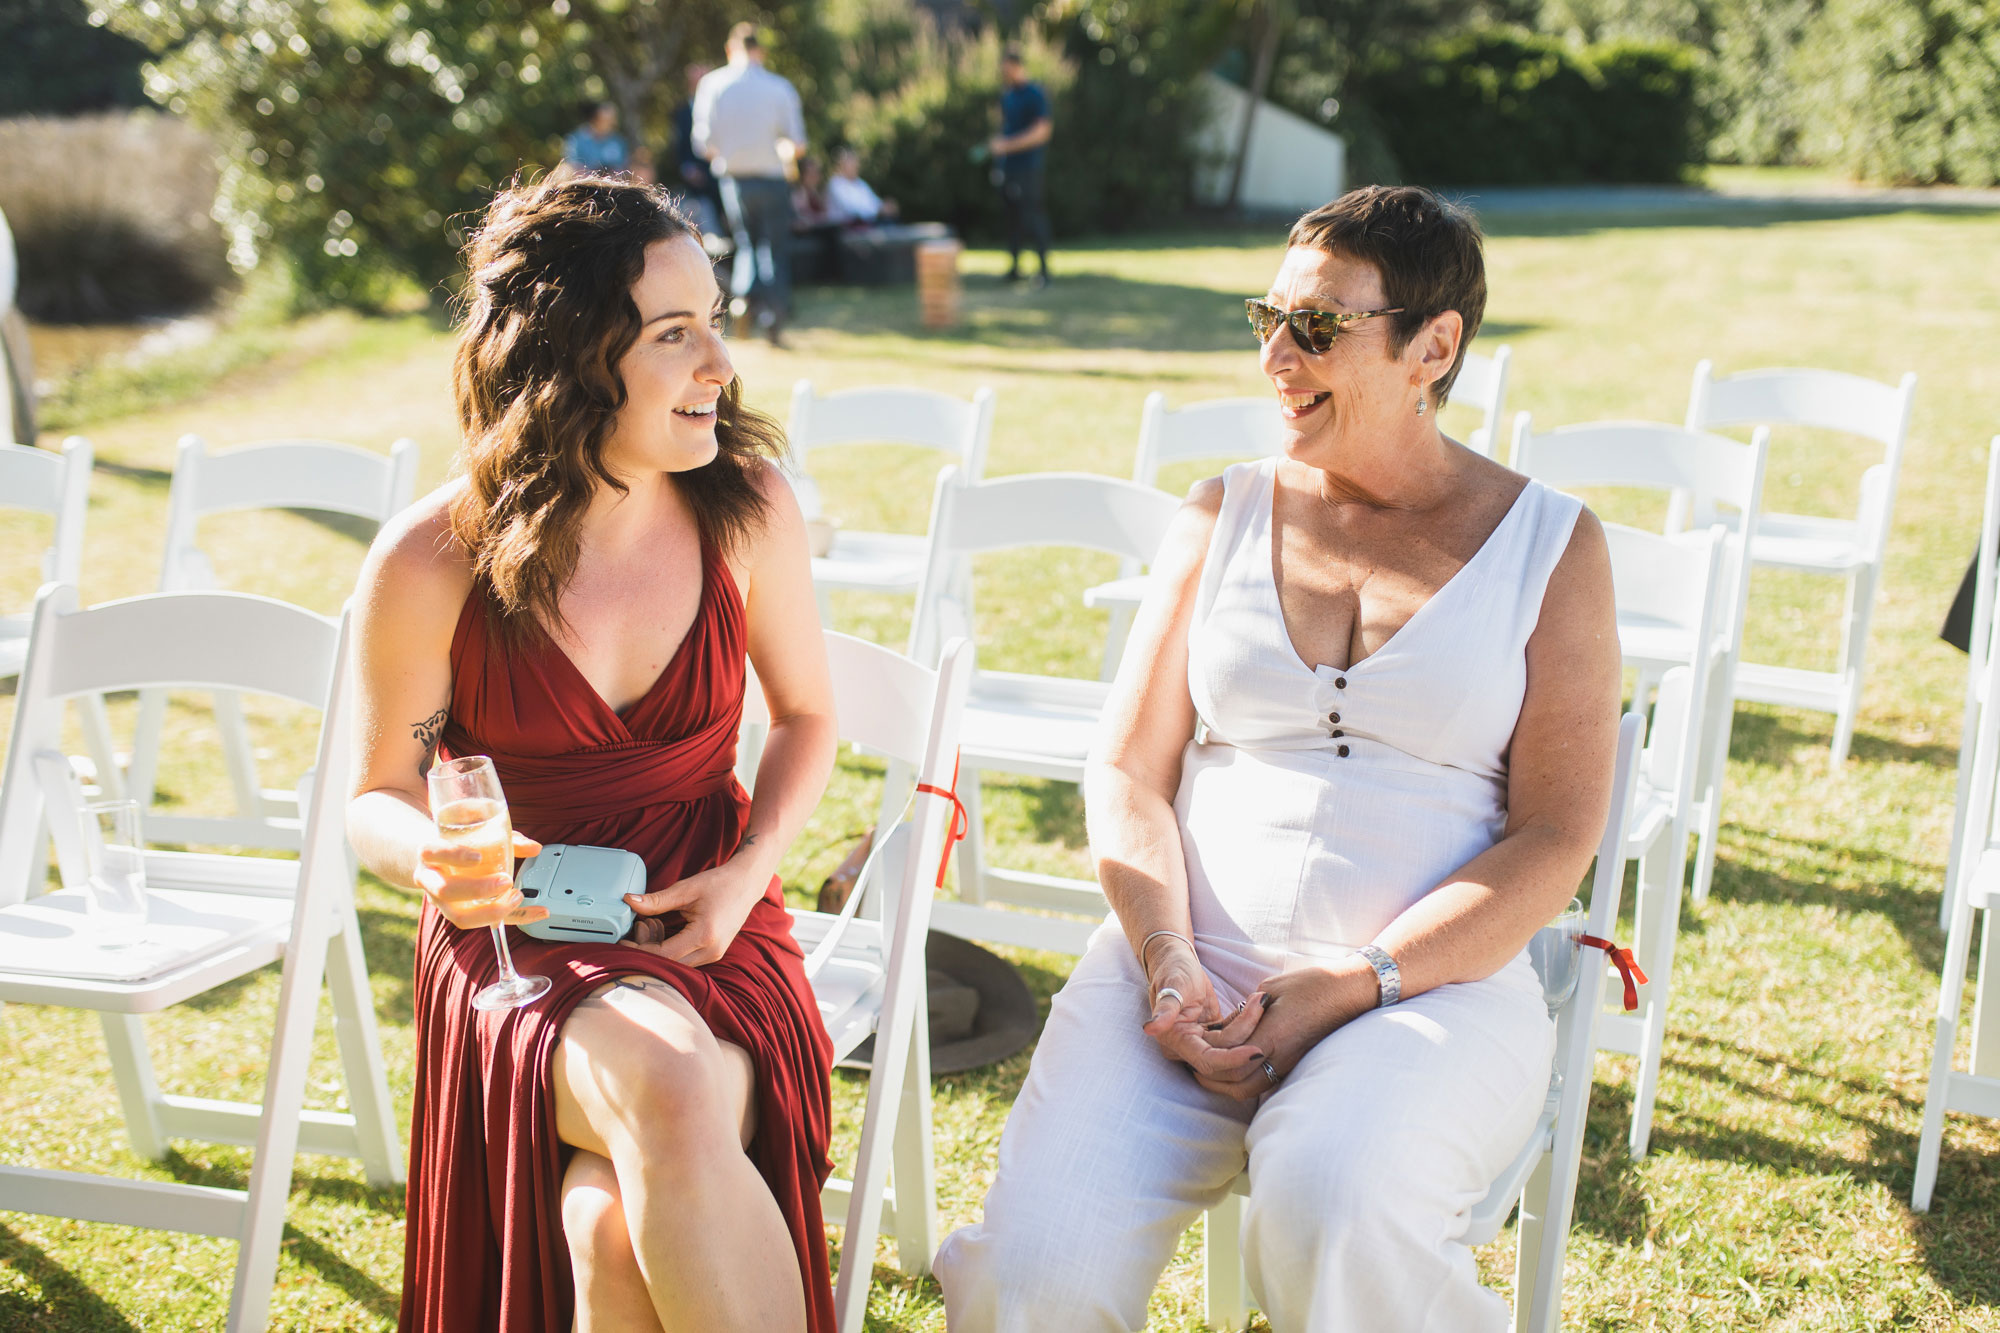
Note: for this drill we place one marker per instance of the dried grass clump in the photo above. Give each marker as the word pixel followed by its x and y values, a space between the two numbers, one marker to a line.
pixel 111 215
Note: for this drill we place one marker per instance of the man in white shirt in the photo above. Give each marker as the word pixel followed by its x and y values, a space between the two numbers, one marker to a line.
pixel 749 125
pixel 851 199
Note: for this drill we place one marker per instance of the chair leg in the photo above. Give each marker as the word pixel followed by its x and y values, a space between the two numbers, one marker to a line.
pixel 360 1043
pixel 95 721
pixel 1709 814
pixel 913 1166
pixel 1119 630
pixel 143 775
pixel 1531 1235
pixel 1986 992
pixel 972 851
pixel 1658 922
pixel 237 754
pixel 1225 1292
pixel 1951 993
pixel 278 1127
pixel 138 1091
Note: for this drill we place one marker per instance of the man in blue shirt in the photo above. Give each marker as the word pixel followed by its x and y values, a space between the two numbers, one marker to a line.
pixel 749 125
pixel 1018 149
pixel 596 145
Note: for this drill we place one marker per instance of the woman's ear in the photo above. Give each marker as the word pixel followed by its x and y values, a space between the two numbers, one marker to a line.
pixel 1437 345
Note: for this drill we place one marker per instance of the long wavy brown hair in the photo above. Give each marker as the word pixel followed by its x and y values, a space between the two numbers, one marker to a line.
pixel 547 313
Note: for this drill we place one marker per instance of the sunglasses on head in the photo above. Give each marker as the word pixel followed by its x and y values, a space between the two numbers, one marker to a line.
pixel 1313 330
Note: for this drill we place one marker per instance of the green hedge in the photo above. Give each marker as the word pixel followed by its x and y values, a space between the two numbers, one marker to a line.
pixel 1503 107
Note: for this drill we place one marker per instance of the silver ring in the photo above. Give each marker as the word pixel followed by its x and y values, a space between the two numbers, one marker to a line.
pixel 1270 1073
pixel 1165 991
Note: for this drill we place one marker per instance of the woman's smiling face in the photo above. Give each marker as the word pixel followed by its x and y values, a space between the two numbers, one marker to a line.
pixel 1355 383
pixel 675 373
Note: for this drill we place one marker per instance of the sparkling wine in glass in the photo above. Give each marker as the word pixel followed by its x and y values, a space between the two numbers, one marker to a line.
pixel 471 811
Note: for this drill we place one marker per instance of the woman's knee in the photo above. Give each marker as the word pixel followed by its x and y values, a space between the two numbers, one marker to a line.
pixel 593 1217
pixel 645 1073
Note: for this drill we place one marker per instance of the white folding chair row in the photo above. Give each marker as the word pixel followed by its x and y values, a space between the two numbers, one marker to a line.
pixel 1978 647
pixel 881 561
pixel 1850 549
pixel 1482 385
pixel 1542 1177
pixel 317 475
pixel 1668 584
pixel 1032 725
pixel 211 920
pixel 1972 896
pixel 867 971
pixel 1724 480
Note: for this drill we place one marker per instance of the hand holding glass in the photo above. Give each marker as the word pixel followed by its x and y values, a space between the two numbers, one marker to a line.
pixel 114 893
pixel 471 812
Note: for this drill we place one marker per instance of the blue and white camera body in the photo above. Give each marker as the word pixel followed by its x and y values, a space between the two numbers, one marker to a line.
pixel 584 889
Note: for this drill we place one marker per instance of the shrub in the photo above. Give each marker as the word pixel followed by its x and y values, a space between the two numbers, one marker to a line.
pixel 54 62
pixel 111 216
pixel 1501 107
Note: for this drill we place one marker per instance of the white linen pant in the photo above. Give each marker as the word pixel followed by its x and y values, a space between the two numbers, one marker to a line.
pixel 1363 1162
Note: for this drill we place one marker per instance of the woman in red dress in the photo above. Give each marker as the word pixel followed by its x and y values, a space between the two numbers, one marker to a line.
pixel 643 1147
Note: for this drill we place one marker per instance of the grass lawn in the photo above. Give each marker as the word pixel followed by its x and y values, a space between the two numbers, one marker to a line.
pixel 1776 1195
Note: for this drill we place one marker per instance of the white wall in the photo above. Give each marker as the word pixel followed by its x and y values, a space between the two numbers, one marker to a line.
pixel 1294 164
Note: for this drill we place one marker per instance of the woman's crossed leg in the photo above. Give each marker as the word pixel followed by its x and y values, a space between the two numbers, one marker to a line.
pixel 669 1224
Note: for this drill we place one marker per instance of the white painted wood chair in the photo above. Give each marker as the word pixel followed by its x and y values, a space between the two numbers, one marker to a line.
pixel 1978 646
pixel 1724 480
pixel 1482 385
pixel 1972 895
pixel 1670 585
pixel 317 475
pixel 867 971
pixel 891 562
pixel 1033 725
pixel 212 919
pixel 1542 1177
pixel 1850 549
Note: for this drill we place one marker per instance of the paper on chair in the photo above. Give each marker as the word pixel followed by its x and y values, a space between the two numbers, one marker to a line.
pixel 52 935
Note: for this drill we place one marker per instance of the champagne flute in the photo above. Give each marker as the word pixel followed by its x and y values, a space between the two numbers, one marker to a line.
pixel 1556 951
pixel 471 811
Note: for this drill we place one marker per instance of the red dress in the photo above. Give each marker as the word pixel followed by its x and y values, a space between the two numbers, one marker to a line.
pixel 484 1247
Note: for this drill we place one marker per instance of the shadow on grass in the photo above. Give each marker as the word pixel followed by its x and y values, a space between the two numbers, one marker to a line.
pixel 65 1302
pixel 1904 893
pixel 360 1288
pixel 1081 312
pixel 1772 737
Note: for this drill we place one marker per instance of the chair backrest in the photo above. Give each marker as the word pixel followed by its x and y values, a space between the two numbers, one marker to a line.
pixel 1079 509
pixel 278 474
pixel 1716 471
pixel 1212 428
pixel 893 414
pixel 1482 385
pixel 1825 400
pixel 228 641
pixel 58 484
pixel 1673 583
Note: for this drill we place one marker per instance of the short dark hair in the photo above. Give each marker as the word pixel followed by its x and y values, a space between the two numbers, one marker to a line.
pixel 1010 55
pixel 1426 249
pixel 745 34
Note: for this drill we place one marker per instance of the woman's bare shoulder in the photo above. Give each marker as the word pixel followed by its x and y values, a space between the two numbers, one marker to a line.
pixel 417 566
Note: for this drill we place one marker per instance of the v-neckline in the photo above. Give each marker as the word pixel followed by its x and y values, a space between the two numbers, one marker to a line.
pixel 1278 601
pixel 623 716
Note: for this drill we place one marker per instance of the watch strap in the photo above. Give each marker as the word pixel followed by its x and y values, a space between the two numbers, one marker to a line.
pixel 1388 977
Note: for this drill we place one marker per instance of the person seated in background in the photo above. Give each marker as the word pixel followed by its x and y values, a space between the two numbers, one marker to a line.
pixel 596 144
pixel 849 199
pixel 809 197
pixel 1358 751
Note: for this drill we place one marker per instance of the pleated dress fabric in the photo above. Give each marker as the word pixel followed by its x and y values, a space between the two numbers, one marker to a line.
pixel 484 1248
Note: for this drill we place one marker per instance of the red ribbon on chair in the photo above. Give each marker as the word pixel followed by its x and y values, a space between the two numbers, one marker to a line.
pixel 960 820
pixel 1627 965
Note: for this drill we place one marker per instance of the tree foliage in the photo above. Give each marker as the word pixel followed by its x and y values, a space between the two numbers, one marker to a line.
pixel 54 62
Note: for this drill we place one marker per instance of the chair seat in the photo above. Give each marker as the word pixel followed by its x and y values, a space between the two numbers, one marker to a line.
pixel 1041 726
pixel 1983 887
pixel 1652 813
pixel 1647 643
pixel 849 987
pixel 872 562
pixel 1791 687
pixel 195 940
pixel 1804 542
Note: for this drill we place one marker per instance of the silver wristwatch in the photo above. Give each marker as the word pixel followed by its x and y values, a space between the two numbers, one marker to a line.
pixel 1388 977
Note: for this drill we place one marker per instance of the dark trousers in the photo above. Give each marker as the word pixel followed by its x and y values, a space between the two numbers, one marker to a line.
pixel 759 209
pixel 1027 219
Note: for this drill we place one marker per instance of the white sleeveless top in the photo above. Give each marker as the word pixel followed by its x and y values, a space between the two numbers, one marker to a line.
pixel 1316 803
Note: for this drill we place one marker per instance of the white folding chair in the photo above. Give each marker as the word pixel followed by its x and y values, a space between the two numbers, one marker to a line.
pixel 1482 385
pixel 211 919
pixel 1973 895
pixel 881 561
pixel 280 474
pixel 1978 646
pixel 1036 726
pixel 868 973
pixel 1542 1177
pixel 1724 480
pixel 1851 549
pixel 1669 585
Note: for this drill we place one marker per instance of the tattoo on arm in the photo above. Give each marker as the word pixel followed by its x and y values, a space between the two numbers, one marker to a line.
pixel 428 732
pixel 748 839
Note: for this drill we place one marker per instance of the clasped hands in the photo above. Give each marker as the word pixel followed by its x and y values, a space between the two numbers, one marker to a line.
pixel 713 903
pixel 1227 1052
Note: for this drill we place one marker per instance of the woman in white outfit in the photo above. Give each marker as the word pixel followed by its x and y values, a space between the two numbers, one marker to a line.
pixel 1358 751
